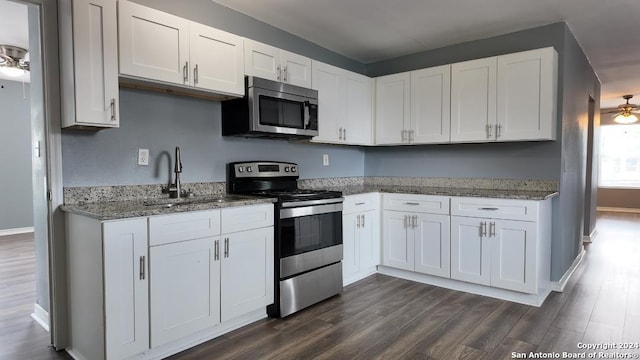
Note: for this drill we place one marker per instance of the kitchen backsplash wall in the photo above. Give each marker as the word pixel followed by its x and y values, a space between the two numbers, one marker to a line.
pixel 160 122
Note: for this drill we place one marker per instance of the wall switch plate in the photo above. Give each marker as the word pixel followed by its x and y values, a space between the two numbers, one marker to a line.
pixel 325 159
pixel 143 157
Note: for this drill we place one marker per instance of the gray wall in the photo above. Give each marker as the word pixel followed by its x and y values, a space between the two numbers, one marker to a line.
pixel 160 122
pixel 209 13
pixel 619 198
pixel 15 157
pixel 563 160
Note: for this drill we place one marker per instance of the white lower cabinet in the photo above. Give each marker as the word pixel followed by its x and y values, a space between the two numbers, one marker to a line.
pixel 246 274
pixel 360 236
pixel 498 251
pixel 185 288
pixel 108 287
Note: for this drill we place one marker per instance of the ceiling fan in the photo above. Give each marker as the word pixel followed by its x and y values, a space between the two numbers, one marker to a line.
pixel 626 113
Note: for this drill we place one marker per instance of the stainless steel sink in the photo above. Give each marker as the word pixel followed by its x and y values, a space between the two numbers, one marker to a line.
pixel 167 203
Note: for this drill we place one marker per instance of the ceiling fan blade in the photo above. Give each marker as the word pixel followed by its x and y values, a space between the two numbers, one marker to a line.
pixel 610 111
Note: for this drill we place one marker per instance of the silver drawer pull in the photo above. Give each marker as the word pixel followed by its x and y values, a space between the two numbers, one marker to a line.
pixel 360 203
pixel 412 203
pixel 489 208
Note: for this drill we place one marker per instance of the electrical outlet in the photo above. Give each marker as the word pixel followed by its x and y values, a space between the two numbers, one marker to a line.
pixel 143 157
pixel 325 159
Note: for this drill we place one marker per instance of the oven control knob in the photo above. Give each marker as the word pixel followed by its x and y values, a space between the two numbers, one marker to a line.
pixel 286 169
pixel 240 169
pixel 293 169
pixel 249 169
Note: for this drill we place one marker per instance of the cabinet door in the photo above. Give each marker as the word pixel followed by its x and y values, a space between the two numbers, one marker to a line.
pixel 397 240
pixel 392 108
pixel 513 255
pixel 262 60
pixel 527 84
pixel 369 241
pixel 432 245
pixel 357 120
pixel 328 81
pixel 296 69
pixel 126 288
pixel 246 272
pixel 217 60
pixel 470 250
pixel 430 105
pixel 351 224
pixel 473 100
pixel 185 289
pixel 153 44
pixel 95 49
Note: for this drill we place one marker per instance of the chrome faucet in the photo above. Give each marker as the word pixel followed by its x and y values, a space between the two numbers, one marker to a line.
pixel 175 190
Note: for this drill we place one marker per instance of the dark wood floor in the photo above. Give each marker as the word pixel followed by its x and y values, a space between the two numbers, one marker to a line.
pixel 386 318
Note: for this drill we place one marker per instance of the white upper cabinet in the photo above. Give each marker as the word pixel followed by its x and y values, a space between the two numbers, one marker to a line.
pixel 89 64
pixel 189 54
pixel 393 108
pixel 505 98
pixel 527 83
pixel 473 100
pixel 413 107
pixel 430 105
pixel 271 63
pixel 344 105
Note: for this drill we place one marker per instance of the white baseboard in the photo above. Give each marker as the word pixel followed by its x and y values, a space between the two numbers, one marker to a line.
pixel 41 316
pixel 16 231
pixel 559 286
pixel 618 209
pixel 589 238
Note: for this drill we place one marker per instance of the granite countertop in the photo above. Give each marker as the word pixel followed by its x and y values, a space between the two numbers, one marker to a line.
pixel 112 210
pixel 447 191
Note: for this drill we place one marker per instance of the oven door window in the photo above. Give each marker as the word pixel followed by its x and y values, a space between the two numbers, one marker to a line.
pixel 281 112
pixel 307 233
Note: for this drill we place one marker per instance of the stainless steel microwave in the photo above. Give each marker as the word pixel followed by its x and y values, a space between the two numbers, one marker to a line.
pixel 271 109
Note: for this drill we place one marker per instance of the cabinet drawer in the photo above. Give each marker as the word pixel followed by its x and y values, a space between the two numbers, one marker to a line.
pixel 172 228
pixel 246 218
pixel 508 209
pixel 360 202
pixel 430 204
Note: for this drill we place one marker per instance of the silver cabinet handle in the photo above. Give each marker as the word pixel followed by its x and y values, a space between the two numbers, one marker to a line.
pixel 360 203
pixel 411 203
pixel 279 72
pixel 411 136
pixel 285 74
pixel 185 72
pixel 406 221
pixel 195 74
pixel 216 250
pixel 415 221
pixel 402 132
pixel 344 134
pixel 489 208
pixel 142 267
pixel 489 131
pixel 498 130
pixel 492 229
pixel 358 221
pixel 226 247
pixel 483 229
pixel 112 106
pixel 362 220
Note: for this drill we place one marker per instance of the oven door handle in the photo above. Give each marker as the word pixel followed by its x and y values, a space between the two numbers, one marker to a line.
pixel 310 210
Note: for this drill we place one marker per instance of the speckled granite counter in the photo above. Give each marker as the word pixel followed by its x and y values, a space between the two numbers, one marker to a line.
pixel 425 190
pixel 111 210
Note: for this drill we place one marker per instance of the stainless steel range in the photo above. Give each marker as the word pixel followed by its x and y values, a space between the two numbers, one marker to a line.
pixel 308 233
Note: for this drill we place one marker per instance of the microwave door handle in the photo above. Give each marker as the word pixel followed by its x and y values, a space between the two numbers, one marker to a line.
pixel 307 114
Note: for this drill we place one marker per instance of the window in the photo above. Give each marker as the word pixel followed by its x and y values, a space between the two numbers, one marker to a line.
pixel 620 156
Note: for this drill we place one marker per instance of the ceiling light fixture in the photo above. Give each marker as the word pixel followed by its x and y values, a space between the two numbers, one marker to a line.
pixel 14 61
pixel 626 116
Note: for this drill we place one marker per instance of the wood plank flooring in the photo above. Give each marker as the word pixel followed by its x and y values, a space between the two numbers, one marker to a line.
pixel 382 317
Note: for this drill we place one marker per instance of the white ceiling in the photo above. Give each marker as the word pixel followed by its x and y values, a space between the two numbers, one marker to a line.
pixel 373 30
pixel 14 29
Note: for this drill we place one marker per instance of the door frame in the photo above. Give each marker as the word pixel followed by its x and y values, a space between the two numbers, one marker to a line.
pixel 48 18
